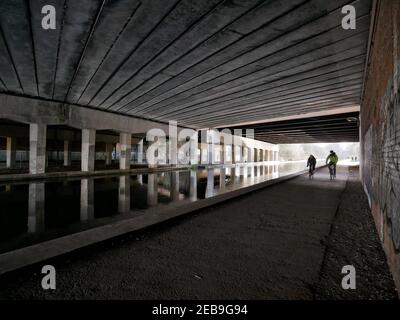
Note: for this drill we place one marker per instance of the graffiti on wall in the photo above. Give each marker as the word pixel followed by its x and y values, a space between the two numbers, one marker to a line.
pixel 367 163
pixel 388 150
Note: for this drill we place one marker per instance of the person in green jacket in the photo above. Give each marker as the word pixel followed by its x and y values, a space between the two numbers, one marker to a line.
pixel 332 159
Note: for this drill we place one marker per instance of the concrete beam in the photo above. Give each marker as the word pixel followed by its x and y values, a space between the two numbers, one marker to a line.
pixel 31 110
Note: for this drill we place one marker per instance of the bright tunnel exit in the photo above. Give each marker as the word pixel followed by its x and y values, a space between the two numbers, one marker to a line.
pixel 348 152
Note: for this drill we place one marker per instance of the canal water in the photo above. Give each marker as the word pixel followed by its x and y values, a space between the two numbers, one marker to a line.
pixel 38 211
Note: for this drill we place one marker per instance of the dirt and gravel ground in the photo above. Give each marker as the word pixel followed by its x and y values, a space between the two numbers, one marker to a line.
pixel 354 241
pixel 276 243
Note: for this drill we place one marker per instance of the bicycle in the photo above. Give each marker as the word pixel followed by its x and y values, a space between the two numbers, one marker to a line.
pixel 331 167
pixel 311 173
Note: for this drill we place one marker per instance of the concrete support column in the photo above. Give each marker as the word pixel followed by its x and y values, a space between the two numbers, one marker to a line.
pixel 255 155
pixel 124 194
pixel 173 151
pixel 125 140
pixel 210 153
pixel 109 150
pixel 193 157
pixel 11 152
pixel 88 149
pixel 173 143
pixel 67 153
pixel 249 159
pixel 233 153
pixel 36 207
pixel 244 154
pixel 222 157
pixel 37 148
pixel 140 151
pixel 87 199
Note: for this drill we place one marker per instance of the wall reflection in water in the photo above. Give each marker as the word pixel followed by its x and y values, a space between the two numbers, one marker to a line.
pixel 67 206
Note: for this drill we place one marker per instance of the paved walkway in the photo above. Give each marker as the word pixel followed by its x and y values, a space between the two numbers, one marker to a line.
pixel 269 244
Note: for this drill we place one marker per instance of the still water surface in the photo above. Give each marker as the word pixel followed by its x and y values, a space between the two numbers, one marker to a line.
pixel 34 212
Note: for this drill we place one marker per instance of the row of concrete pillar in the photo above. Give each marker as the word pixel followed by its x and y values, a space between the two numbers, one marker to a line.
pixel 38 158
pixel 37 150
pixel 239 154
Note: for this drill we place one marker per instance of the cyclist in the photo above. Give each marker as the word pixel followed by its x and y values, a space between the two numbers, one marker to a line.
pixel 311 162
pixel 332 160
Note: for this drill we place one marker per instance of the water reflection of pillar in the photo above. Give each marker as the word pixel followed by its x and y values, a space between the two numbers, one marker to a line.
pixel 87 199
pixel 222 179
pixel 193 185
pixel 255 170
pixel 36 208
pixel 237 173
pixel 124 194
pixel 261 170
pixel 243 172
pixel 222 156
pixel 232 173
pixel 174 185
pixel 210 183
pixel 276 171
pixel 251 171
pixel 152 194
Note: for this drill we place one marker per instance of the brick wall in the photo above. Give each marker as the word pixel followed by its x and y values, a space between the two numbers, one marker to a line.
pixel 380 130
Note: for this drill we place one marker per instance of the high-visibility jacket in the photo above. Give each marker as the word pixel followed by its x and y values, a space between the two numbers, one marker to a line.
pixel 332 158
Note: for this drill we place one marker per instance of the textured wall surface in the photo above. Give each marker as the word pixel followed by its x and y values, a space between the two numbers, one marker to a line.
pixel 380 130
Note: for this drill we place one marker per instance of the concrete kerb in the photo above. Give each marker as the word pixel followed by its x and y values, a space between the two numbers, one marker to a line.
pixel 82 174
pixel 30 255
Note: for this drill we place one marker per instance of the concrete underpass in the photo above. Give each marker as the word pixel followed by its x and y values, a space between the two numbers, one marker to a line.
pixel 158 149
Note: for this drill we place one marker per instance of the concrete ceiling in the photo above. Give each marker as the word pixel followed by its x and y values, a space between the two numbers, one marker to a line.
pixel 333 128
pixel 209 63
